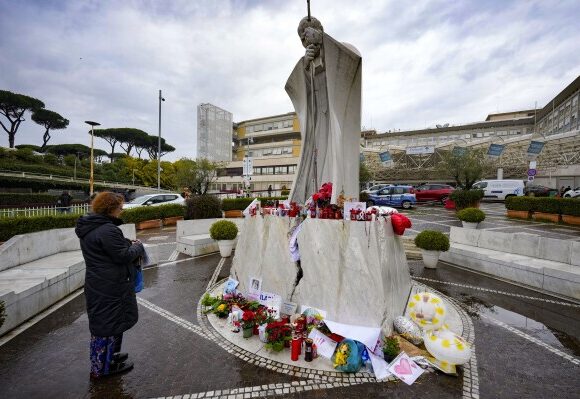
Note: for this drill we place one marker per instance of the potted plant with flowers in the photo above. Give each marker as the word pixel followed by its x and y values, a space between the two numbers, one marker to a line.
pixel 471 217
pixel 225 232
pixel 248 322
pixel 431 243
pixel 278 333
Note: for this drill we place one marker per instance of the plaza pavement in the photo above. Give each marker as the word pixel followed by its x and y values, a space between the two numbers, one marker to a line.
pixel 527 345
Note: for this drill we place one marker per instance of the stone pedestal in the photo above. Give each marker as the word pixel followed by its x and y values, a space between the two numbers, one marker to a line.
pixel 355 271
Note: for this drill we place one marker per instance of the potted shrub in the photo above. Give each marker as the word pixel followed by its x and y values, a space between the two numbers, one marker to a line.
pixel 391 349
pixel 233 207
pixel 171 213
pixel 547 209
pixel 431 244
pixel 519 207
pixel 471 217
pixel 570 208
pixel 225 232
pixel 466 198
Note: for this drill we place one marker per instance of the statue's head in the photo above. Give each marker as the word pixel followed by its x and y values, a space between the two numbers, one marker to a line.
pixel 310 31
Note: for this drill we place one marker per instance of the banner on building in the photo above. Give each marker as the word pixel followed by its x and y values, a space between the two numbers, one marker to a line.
pixel 386 158
pixel 425 149
pixel 248 166
pixel 495 150
pixel 535 147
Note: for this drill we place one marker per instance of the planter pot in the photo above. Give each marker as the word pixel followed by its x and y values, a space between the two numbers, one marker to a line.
pixel 550 217
pixel 262 333
pixel 569 219
pixel 469 225
pixel 226 247
pixel 430 258
pixel 248 332
pixel 148 224
pixel 518 214
pixel 233 214
pixel 172 220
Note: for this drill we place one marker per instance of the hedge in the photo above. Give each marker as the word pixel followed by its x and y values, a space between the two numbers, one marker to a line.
pixel 26 199
pixel 466 198
pixel 239 204
pixel 564 206
pixel 24 225
pixel 142 213
pixel 203 207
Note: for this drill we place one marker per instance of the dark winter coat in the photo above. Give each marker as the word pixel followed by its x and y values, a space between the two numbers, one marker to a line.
pixel 110 275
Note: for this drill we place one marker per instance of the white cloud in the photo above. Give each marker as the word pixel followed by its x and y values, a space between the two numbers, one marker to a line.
pixel 424 62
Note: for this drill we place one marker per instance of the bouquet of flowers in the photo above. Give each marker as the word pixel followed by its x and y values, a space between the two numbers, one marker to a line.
pixel 322 197
pixel 263 315
pixel 278 333
pixel 248 319
pixel 347 356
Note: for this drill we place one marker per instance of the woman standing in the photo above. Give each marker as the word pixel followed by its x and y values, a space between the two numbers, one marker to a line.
pixel 111 267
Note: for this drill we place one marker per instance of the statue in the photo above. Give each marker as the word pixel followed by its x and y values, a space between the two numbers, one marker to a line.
pixel 325 89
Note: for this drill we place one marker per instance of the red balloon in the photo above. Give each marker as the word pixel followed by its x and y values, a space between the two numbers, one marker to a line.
pixel 400 223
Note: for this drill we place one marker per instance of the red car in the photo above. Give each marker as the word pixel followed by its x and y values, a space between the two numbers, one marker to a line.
pixel 433 192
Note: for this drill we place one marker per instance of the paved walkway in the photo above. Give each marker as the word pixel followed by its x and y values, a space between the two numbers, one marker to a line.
pixel 526 344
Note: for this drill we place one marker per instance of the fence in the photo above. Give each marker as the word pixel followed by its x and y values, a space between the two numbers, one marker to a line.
pixel 77 209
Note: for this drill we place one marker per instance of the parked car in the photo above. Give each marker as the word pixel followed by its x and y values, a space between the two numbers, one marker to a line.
pixel 500 189
pixel 155 199
pixel 572 193
pixel 375 188
pixel 401 196
pixel 433 192
pixel 536 190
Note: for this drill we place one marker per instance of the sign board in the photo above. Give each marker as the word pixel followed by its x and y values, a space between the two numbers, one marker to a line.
pixel 426 149
pixel 530 178
pixel 495 150
pixel 459 151
pixel 532 172
pixel 386 158
pixel 532 165
pixel 535 147
pixel 248 166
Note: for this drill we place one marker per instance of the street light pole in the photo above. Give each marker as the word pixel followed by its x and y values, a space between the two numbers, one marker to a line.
pixel 159 146
pixel 91 179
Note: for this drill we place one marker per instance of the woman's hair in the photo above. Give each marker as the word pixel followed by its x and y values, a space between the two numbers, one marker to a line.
pixel 106 202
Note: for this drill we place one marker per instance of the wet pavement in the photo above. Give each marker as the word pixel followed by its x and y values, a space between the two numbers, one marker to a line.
pixel 526 344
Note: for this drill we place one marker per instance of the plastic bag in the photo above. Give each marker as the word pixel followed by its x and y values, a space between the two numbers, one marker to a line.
pixel 347 356
pixel 139 280
pixel 400 223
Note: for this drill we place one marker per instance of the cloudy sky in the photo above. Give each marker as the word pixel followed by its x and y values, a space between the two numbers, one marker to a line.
pixel 424 62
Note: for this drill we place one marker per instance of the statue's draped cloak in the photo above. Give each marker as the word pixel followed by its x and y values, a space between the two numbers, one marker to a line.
pixel 335 132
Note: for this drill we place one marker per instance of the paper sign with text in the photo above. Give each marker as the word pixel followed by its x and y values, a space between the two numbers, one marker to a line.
pixel 324 345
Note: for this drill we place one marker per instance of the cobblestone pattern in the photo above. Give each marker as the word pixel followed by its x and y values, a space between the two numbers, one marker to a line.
pixel 497 292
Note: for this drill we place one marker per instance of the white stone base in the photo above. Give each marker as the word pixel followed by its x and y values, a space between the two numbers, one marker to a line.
pixel 355 271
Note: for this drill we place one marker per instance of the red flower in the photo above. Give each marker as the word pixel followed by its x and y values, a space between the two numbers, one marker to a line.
pixel 248 315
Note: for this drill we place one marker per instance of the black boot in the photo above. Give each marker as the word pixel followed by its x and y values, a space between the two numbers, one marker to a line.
pixel 120 357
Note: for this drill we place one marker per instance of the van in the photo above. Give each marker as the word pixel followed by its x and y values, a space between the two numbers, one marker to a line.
pixel 500 189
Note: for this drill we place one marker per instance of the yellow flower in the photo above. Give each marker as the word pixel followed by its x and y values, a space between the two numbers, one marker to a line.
pixel 221 308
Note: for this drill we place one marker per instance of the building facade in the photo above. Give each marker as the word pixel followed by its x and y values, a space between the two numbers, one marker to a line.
pixel 214 133
pixel 273 143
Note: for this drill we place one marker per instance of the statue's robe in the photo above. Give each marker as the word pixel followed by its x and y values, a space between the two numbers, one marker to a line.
pixel 333 127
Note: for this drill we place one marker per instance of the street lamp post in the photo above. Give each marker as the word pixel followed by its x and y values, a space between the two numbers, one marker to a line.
pixel 159 146
pixel 76 158
pixel 91 179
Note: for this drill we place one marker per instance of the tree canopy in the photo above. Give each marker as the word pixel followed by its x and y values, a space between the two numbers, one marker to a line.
pixel 198 174
pixel 130 138
pixel 466 168
pixel 50 120
pixel 82 150
pixel 153 146
pixel 13 106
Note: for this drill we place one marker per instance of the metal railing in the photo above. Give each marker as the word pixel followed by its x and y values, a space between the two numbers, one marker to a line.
pixel 75 209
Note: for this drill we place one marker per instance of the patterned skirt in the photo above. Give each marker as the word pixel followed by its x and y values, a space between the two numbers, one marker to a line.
pixel 102 350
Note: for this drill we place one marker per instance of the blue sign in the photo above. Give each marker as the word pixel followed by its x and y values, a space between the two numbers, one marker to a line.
pixel 385 156
pixel 495 150
pixel 532 172
pixel 535 147
pixel 459 151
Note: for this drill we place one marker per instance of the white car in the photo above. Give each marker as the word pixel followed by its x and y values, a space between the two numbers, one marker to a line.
pixel 572 193
pixel 155 199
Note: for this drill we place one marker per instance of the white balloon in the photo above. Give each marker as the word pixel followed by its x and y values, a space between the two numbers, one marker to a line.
pixel 427 310
pixel 447 346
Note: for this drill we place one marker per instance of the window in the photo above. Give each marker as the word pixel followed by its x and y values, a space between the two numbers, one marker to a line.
pixel 268 126
pixel 479 135
pixel 250 129
pixel 268 170
pixel 292 169
pixel 170 197
pixel 280 170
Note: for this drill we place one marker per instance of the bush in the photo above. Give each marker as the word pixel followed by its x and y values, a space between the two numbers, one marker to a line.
pixel 466 198
pixel 471 215
pixel 23 225
pixel 284 191
pixel 203 207
pixel 363 197
pixel 236 204
pixel 170 210
pixel 519 203
pixel 140 214
pixel 223 230
pixel 570 206
pixel 432 240
pixel 546 204
pixel 269 201
pixel 15 199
